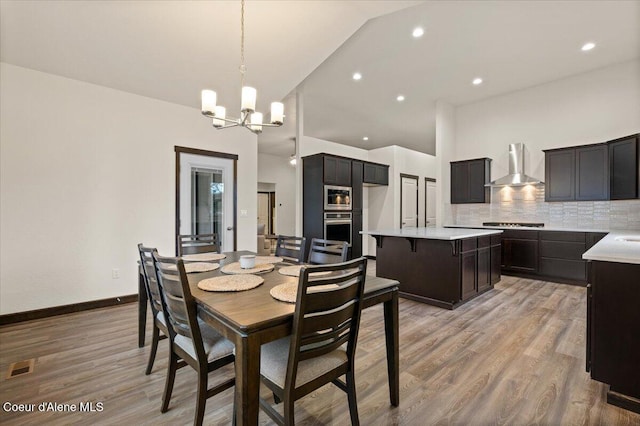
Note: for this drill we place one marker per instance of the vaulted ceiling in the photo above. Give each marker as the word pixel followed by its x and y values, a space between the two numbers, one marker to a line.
pixel 170 50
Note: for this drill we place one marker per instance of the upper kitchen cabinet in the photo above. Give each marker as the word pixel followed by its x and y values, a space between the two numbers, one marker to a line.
pixel 559 175
pixel 577 173
pixel 623 168
pixel 337 171
pixel 375 174
pixel 468 180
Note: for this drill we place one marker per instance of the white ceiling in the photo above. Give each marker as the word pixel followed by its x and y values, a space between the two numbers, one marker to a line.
pixel 170 50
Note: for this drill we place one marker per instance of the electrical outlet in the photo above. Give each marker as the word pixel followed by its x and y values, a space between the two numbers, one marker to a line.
pixel 115 274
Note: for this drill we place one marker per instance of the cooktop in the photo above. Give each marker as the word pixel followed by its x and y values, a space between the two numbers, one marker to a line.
pixel 514 224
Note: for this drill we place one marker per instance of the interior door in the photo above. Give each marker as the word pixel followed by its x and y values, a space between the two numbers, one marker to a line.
pixel 408 201
pixel 264 209
pixel 430 203
pixel 207 197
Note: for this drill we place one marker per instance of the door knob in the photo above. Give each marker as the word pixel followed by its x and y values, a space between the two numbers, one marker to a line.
pixel 229 228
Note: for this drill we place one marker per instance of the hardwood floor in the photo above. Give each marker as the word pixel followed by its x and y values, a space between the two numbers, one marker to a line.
pixel 513 356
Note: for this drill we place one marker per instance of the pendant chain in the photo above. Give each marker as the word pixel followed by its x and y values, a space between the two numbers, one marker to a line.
pixel 243 68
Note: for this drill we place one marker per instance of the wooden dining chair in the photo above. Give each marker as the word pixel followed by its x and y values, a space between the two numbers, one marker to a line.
pixel 155 300
pixel 192 341
pixel 324 252
pixel 291 249
pixel 327 316
pixel 198 243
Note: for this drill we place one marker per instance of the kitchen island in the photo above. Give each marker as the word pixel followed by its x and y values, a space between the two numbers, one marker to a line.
pixel 613 316
pixel 445 267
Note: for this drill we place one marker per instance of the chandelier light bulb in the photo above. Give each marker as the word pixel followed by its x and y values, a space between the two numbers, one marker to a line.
pixel 208 102
pixel 220 115
pixel 256 122
pixel 249 95
pixel 277 113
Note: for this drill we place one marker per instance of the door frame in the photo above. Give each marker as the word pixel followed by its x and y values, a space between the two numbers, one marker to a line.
pixel 417 179
pixel 185 150
pixel 427 179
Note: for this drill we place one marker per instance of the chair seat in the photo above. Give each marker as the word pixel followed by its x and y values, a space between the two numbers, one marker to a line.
pixel 215 345
pixel 275 355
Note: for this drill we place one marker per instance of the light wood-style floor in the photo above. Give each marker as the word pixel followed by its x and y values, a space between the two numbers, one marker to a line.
pixel 513 356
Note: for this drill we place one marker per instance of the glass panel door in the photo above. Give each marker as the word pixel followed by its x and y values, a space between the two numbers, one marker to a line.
pixel 207 201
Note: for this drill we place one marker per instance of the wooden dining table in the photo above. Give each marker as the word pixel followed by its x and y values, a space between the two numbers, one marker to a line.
pixel 252 318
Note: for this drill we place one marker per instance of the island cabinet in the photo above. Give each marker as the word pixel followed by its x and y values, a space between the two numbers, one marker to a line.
pixel 440 272
pixel 613 331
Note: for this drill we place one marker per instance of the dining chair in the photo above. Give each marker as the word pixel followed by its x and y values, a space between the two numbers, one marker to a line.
pixel 291 249
pixel 324 252
pixel 198 243
pixel 192 341
pixel 326 317
pixel 155 300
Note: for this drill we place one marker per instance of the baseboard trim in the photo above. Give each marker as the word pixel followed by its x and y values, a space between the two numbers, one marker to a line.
pixel 65 309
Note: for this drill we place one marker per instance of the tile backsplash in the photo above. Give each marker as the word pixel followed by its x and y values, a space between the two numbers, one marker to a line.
pixel 526 204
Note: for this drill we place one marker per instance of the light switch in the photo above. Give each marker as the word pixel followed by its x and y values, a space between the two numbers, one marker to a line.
pixel 244 213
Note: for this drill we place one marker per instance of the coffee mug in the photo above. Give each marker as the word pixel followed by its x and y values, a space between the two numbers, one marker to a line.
pixel 247 261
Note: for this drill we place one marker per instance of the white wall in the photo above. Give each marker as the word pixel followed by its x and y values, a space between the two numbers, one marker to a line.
pixel 87 172
pixel 278 171
pixel 309 146
pixel 384 201
pixel 587 108
pixel 445 153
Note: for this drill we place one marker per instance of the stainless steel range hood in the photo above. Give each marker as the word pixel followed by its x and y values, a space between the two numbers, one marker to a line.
pixel 516 176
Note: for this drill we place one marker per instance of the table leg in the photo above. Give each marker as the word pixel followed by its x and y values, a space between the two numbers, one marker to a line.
pixel 391 334
pixel 142 310
pixel 247 388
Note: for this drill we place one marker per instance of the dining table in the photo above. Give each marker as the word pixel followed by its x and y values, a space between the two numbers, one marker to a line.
pixel 253 317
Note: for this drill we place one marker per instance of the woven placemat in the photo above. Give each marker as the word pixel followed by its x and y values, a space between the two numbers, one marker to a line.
pixel 230 283
pixel 195 267
pixel 289 291
pixel 294 271
pixel 235 268
pixel 268 259
pixel 203 257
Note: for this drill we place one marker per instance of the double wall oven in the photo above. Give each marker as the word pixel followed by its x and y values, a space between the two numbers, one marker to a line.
pixel 337 213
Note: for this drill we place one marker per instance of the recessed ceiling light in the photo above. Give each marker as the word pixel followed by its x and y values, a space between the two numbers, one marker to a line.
pixel 400 98
pixel 588 46
pixel 476 81
pixel 366 138
pixel 418 32
pixel 357 76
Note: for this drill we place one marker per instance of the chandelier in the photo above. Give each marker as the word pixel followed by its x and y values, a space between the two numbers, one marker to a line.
pixel 249 117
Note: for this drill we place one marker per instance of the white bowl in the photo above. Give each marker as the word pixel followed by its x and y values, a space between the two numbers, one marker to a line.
pixel 247 261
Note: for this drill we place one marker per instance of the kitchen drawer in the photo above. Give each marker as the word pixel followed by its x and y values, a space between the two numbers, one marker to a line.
pixel 568 269
pixel 562 236
pixel 484 241
pixel 562 250
pixel 520 234
pixel 468 244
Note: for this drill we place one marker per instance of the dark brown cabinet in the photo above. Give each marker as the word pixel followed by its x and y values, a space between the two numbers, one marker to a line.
pixel 337 171
pixel 561 255
pixel 559 175
pixel 613 334
pixel 356 213
pixel 520 251
pixel 484 281
pixel 623 168
pixel 468 180
pixel 375 174
pixel 592 173
pixel 577 173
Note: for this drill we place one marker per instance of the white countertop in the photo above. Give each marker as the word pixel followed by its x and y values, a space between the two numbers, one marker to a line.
pixel 432 233
pixel 613 248
pixel 531 228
